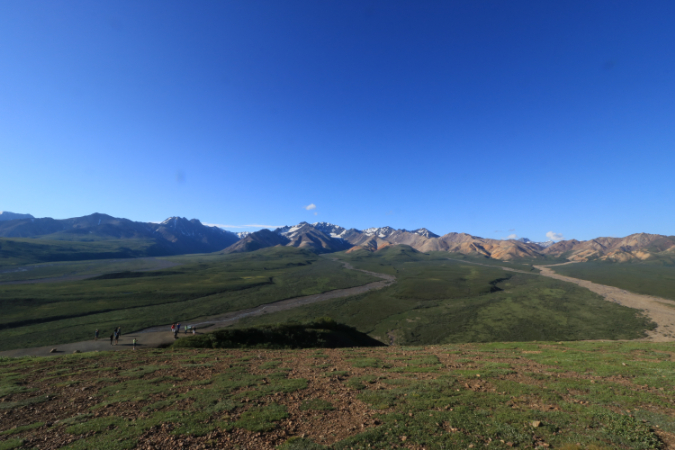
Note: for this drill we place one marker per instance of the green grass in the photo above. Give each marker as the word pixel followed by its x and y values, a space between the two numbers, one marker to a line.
pixel 436 301
pixel 21 429
pixel 81 269
pixel 642 278
pixel 17 251
pixel 11 444
pixel 48 314
pixel 262 418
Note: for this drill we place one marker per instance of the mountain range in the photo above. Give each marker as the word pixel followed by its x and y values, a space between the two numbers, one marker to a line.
pixel 177 235
pixel 325 237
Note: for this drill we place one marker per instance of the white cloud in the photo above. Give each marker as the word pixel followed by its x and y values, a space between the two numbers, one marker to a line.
pixel 554 236
pixel 511 236
pixel 253 225
pixel 310 207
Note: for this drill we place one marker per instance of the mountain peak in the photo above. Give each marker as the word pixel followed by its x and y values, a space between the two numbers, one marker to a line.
pixel 381 232
pixel 425 233
pixel 6 215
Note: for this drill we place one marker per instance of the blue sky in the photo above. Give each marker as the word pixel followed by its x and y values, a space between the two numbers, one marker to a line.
pixel 491 118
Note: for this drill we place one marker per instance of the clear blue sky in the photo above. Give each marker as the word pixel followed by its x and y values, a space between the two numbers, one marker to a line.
pixel 492 118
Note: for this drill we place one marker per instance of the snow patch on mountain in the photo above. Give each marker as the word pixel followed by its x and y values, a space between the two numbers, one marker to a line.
pixel 334 231
pixel 381 232
pixel 540 244
pixel 425 233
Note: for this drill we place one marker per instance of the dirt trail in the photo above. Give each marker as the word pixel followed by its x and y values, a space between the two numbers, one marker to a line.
pixel 659 310
pixel 161 336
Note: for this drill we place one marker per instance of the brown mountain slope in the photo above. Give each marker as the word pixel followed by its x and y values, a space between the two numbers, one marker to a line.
pixel 639 246
pixel 255 241
pixel 309 237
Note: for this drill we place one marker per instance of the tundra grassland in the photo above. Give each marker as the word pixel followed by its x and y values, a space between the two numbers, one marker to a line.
pixel 439 301
pixel 657 279
pixel 202 285
pixel 572 396
pixel 18 251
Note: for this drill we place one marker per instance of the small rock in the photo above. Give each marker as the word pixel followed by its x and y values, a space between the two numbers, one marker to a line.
pixel 53 350
pixel 77 351
pixel 535 423
pixel 403 438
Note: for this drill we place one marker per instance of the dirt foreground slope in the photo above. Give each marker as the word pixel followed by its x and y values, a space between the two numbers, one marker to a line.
pixel 499 396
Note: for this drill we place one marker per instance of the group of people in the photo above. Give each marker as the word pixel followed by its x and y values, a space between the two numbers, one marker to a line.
pixel 115 336
pixel 175 329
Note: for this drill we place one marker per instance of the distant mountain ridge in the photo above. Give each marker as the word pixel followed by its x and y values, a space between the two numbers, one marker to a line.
pixel 6 215
pixel 175 235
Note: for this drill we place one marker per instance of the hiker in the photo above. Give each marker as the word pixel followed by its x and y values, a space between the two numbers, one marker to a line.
pixel 134 343
pixel 173 327
pixel 187 327
pixel 175 333
pixel 178 328
pixel 117 337
pixel 111 338
pixel 194 330
pixel 96 335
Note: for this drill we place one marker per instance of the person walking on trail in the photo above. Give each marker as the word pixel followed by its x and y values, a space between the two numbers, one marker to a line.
pixel 96 335
pixel 117 337
pixel 173 327
pixel 178 328
pixel 111 338
pixel 194 330
pixel 134 343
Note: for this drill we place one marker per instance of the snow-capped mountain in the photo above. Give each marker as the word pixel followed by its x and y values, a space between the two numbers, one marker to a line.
pixel 334 231
pixel 540 244
pixel 381 232
pixel 290 231
pixel 424 233
pixel 243 234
